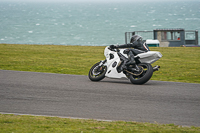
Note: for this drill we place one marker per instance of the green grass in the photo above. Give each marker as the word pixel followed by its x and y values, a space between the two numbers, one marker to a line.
pixel 178 64
pixel 40 124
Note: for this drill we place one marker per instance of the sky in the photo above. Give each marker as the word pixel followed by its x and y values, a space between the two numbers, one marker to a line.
pixel 86 0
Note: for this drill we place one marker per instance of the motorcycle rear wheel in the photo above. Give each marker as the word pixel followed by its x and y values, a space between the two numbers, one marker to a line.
pixel 144 76
pixel 97 72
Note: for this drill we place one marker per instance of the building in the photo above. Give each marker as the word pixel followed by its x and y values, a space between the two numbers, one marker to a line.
pixel 167 37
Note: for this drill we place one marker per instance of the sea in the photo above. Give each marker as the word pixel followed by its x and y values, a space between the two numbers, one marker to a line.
pixel 92 23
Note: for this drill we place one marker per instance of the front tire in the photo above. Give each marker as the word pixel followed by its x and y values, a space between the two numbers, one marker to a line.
pixel 97 72
pixel 144 76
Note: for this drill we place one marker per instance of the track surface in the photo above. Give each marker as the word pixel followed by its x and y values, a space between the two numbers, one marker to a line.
pixel 76 96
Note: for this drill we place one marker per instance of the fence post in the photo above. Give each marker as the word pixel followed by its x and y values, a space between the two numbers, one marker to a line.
pixel 196 35
pixel 125 37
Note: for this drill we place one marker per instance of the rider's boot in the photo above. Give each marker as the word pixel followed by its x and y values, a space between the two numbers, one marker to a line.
pixel 131 59
pixel 132 62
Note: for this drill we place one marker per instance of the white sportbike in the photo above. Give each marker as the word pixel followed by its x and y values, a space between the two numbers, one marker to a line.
pixel 114 66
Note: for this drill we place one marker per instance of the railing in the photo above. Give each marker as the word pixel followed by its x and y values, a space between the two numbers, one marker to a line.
pixel 145 35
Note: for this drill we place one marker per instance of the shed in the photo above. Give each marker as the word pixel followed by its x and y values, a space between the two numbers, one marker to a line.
pixel 175 37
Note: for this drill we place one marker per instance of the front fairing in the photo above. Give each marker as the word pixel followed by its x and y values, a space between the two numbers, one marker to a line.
pixel 112 63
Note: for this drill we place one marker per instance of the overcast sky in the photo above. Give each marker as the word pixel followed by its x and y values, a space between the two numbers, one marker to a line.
pixel 85 0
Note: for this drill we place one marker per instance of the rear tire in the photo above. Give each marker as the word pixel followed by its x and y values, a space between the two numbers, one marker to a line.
pixel 145 76
pixel 97 73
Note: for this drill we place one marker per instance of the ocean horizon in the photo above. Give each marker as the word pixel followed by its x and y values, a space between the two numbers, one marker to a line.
pixel 91 23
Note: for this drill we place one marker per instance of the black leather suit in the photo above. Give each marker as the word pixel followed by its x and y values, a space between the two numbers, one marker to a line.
pixel 139 47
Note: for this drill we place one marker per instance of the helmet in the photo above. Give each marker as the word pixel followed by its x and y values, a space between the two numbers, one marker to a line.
pixel 135 38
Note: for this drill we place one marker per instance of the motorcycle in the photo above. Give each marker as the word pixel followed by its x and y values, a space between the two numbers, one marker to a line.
pixel 115 66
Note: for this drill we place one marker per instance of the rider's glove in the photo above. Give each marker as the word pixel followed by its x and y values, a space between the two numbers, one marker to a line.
pixel 113 46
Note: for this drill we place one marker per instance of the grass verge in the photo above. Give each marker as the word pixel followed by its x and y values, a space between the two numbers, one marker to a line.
pixel 38 124
pixel 178 64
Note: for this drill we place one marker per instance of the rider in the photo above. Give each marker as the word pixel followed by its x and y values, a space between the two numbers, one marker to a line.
pixel 136 43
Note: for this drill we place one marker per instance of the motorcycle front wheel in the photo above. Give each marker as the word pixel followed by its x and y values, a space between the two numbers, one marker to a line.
pixel 97 72
pixel 146 74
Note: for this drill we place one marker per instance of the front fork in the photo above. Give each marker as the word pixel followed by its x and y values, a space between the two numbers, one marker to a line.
pixel 100 66
pixel 102 62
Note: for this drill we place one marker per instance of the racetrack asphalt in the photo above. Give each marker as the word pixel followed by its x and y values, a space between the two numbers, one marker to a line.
pixel 76 96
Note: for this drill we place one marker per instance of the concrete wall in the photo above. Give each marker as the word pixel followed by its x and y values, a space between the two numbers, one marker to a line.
pixel 162 43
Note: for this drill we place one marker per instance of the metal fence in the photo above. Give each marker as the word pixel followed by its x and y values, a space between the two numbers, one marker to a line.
pixel 145 35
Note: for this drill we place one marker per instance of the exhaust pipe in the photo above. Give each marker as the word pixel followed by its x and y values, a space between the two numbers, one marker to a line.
pixel 156 68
